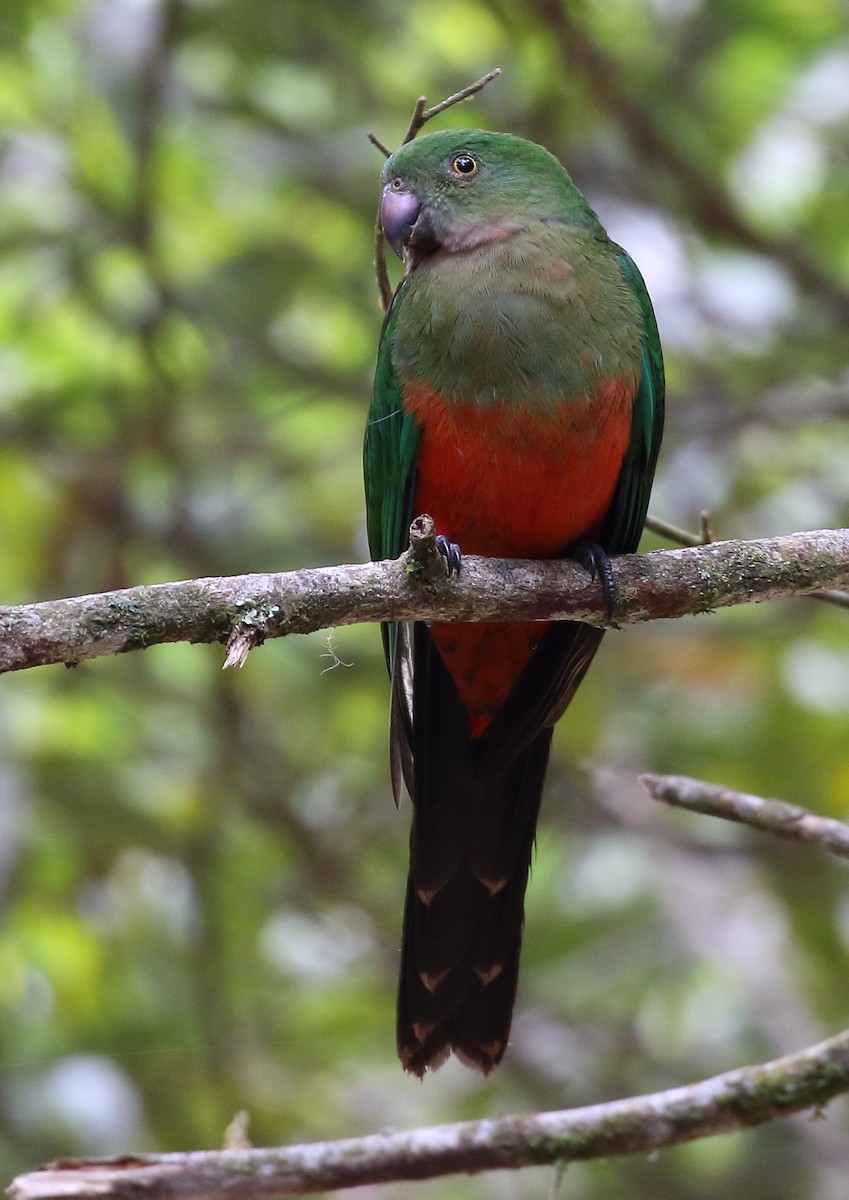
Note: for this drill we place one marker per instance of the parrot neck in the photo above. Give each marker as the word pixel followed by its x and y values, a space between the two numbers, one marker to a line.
pixel 457 239
pixel 523 317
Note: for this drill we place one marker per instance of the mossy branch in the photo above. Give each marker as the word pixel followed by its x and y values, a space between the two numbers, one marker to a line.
pixel 738 1099
pixel 244 610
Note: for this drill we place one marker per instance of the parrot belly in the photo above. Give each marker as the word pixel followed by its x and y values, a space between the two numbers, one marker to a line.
pixel 509 482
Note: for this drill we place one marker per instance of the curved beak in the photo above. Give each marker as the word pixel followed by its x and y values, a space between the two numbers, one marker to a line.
pixel 398 214
pixel 405 222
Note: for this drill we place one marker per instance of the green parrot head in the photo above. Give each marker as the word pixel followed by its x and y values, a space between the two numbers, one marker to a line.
pixel 463 187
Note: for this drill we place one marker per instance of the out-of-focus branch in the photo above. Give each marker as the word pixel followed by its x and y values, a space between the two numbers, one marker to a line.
pixel 771 816
pixel 706 200
pixel 154 73
pixel 831 596
pixel 738 1099
pixel 681 537
pixel 245 609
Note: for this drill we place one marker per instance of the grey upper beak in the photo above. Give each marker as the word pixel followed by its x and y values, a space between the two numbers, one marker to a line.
pixel 405 222
pixel 398 213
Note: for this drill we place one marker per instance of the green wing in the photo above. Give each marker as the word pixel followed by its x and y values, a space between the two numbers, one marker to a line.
pixel 389 460
pixel 550 680
pixel 631 500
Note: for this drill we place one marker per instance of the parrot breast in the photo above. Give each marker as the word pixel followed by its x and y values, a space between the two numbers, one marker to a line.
pixel 508 482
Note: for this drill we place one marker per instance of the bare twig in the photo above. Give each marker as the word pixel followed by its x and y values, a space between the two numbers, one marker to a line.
pixel 664 583
pixel 738 1099
pixel 771 816
pixel 417 120
pixel 831 596
pixel 375 141
pixel 384 283
pixel 681 537
pixel 420 117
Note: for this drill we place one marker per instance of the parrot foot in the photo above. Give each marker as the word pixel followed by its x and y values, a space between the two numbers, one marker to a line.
pixel 451 552
pixel 594 559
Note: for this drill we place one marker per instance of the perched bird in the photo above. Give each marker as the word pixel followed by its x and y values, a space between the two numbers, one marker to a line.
pixel 518 400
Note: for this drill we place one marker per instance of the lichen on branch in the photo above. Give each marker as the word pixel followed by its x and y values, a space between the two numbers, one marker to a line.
pixel 738 1099
pixel 663 583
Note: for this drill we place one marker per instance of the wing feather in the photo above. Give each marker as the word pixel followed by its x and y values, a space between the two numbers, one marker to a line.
pixel 389 461
pixel 546 686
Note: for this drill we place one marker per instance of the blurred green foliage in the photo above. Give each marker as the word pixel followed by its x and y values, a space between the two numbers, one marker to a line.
pixel 202 873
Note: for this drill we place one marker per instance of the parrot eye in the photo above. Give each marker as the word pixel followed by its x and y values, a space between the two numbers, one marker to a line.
pixel 464 164
pixel 396 184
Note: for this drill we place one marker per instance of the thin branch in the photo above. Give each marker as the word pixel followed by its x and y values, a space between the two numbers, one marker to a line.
pixel 831 596
pixel 664 583
pixel 420 117
pixel 681 537
pixel 417 120
pixel 375 141
pixel 738 1099
pixel 770 816
pixel 384 283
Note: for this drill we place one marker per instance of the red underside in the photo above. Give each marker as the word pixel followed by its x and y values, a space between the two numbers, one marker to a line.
pixel 513 485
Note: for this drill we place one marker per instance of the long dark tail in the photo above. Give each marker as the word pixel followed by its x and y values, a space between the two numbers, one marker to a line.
pixel 470 853
pixel 476 802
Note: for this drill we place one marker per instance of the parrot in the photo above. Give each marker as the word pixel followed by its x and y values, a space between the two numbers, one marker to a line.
pixel 518 400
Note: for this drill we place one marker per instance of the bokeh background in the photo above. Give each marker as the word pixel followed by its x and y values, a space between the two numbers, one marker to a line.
pixel 202 872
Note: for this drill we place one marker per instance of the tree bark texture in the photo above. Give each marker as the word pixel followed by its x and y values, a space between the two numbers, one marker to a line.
pixel 243 610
